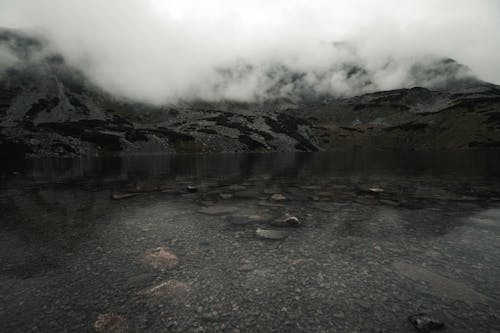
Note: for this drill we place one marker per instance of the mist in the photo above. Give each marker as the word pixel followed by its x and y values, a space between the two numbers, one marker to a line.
pixel 165 51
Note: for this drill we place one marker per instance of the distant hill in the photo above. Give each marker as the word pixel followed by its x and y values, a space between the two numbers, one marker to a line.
pixel 48 108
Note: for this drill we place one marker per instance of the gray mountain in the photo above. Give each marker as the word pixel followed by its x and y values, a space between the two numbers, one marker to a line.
pixel 48 108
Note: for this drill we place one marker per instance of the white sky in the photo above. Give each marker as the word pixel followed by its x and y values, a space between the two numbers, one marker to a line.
pixel 158 50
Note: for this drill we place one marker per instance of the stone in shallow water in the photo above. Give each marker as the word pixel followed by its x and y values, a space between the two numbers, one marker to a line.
pixel 218 210
pixel 160 257
pixel 278 197
pixel 425 323
pixel 270 234
pixel 369 190
pixel 110 323
pixel 286 220
pixel 246 265
pixel 167 288
pixel 192 189
pixel 120 196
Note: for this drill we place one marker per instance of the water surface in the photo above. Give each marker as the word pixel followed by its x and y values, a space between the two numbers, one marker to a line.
pixel 383 235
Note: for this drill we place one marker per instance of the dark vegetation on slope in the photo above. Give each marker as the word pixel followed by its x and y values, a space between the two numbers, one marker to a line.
pixel 48 108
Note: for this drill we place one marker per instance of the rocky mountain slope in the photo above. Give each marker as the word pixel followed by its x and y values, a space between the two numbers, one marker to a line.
pixel 48 108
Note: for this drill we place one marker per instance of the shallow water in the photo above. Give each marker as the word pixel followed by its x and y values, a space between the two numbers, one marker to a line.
pixel 383 235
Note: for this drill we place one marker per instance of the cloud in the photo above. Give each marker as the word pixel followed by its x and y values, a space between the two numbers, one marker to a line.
pixel 7 58
pixel 164 50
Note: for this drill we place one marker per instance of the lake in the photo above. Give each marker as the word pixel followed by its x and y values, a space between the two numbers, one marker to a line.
pixel 306 242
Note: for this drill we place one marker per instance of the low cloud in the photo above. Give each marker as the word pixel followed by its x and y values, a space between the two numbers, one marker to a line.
pixel 162 51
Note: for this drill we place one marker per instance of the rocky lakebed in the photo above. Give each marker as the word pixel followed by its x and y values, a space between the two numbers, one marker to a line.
pixel 251 243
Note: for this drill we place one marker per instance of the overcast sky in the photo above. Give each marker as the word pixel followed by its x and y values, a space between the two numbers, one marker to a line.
pixel 160 50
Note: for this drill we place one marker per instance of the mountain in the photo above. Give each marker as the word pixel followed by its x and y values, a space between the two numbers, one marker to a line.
pixel 48 108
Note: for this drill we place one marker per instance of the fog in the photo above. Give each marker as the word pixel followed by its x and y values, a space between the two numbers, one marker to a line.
pixel 160 51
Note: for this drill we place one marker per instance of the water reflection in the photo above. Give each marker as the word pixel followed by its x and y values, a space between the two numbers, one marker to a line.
pixel 462 164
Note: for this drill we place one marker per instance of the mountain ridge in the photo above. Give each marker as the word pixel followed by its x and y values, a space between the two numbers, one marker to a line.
pixel 48 108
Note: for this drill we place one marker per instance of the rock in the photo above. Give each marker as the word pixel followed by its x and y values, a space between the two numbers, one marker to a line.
pixel 120 196
pixel 370 190
pixel 160 257
pixel 424 323
pixel 110 323
pixel 167 288
pixel 225 196
pixel 278 197
pixel 270 234
pixel 192 189
pixel 246 267
pixel 247 219
pixel 286 220
pixel 218 210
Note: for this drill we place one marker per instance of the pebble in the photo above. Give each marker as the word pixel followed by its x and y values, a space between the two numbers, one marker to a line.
pixel 167 288
pixel 278 197
pixel 160 257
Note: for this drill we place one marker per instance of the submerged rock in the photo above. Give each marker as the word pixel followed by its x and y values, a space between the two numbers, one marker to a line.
pixel 236 188
pixel 270 234
pixel 110 323
pixel 246 265
pixel 425 323
pixel 278 197
pixel 120 196
pixel 192 189
pixel 286 220
pixel 160 257
pixel 167 288
pixel 369 190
